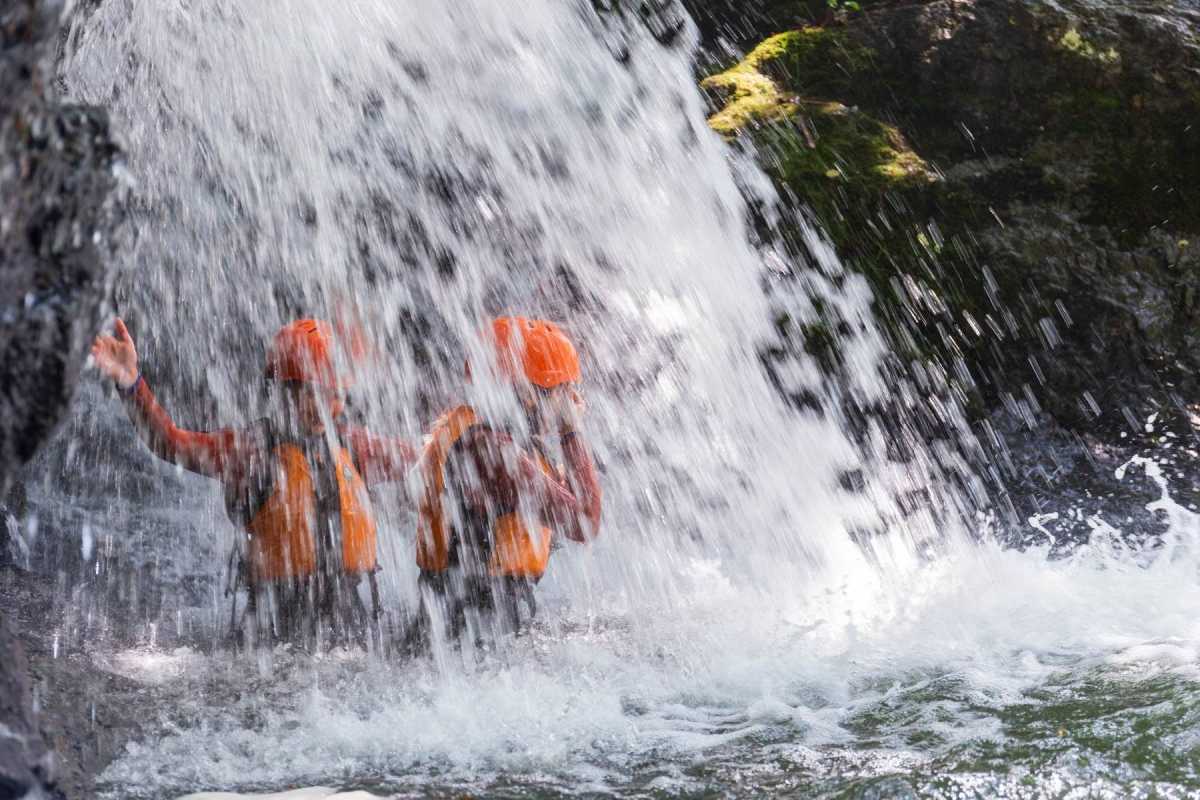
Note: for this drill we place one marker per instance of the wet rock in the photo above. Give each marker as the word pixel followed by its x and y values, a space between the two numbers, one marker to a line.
pixel 740 24
pixel 780 95
pixel 26 766
pixel 1040 256
pixel 56 173
pixel 888 788
pixel 85 711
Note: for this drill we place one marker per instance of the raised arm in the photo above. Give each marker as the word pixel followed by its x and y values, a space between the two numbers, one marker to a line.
pixel 575 507
pixel 555 499
pixel 216 454
pixel 585 486
pixel 566 407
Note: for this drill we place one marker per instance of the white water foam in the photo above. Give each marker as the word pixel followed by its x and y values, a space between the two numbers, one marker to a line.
pixel 588 700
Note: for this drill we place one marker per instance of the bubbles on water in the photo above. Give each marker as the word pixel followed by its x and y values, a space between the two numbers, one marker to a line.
pixel 984 649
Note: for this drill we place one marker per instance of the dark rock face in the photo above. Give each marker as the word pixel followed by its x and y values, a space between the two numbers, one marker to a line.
pixel 1065 134
pixel 55 178
pixel 740 24
pixel 26 766
pixel 1048 274
pixel 56 174
pixel 85 713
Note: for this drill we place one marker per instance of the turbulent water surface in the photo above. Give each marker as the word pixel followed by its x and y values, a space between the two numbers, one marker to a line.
pixel 750 623
pixel 991 674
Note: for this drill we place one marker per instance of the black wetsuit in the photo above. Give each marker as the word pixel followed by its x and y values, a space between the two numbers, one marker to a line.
pixel 467 587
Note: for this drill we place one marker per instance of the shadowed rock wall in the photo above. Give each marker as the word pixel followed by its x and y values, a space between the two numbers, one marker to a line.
pixel 1019 179
pixel 56 175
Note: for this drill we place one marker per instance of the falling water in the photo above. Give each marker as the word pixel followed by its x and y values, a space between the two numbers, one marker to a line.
pixel 416 168
pixel 421 169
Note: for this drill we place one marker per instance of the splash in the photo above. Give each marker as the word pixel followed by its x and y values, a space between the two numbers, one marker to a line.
pixel 971 663
pixel 418 167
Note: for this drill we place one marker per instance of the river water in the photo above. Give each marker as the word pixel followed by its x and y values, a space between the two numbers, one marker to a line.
pixel 750 622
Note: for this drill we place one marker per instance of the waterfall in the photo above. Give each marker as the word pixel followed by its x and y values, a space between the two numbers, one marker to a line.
pixel 421 168
pixel 417 168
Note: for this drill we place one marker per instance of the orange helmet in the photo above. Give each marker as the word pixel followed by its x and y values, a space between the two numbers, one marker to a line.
pixel 303 351
pixel 539 348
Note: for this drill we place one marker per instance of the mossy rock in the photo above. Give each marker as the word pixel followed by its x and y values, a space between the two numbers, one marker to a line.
pixel 848 168
pixel 751 96
pixel 827 142
pixel 775 94
pixel 1075 42
pixel 810 62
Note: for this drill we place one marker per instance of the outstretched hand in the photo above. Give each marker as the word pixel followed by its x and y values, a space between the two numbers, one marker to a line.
pixel 568 408
pixel 116 356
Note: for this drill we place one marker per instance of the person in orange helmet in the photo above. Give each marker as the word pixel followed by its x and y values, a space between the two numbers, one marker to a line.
pixel 492 501
pixel 295 484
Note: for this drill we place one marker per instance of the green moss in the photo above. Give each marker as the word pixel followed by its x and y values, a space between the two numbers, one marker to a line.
pixel 779 81
pixel 1074 42
pixel 837 145
pixel 754 95
pixel 822 62
pixel 842 163
pixel 751 95
pixel 764 86
pixel 791 98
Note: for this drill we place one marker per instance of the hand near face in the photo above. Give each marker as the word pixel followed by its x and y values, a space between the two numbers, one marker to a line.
pixel 567 407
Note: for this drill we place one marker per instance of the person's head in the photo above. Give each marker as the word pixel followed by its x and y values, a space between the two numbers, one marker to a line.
pixel 539 361
pixel 300 363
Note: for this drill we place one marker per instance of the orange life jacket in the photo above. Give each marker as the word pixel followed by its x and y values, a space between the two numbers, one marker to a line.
pixel 519 549
pixel 281 534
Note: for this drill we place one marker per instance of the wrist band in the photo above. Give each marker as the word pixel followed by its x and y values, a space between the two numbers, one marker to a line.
pixel 133 386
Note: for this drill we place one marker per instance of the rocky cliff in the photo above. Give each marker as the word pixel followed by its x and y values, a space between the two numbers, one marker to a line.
pixel 56 175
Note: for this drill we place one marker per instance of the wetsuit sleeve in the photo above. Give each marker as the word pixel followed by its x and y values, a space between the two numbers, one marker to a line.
pixel 217 454
pixel 381 459
pixel 585 487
